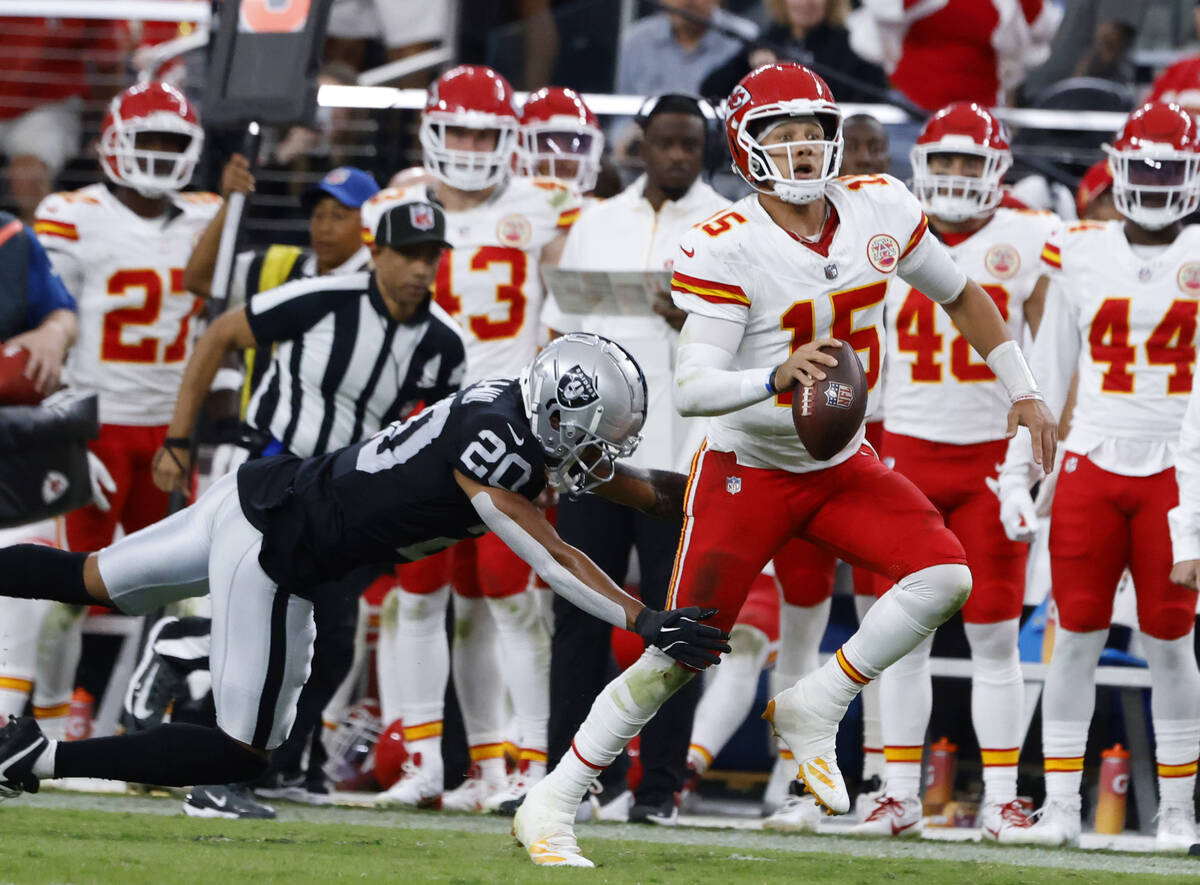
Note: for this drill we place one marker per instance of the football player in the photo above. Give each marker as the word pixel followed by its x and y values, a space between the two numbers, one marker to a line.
pixel 120 248
pixel 767 284
pixel 502 228
pixel 260 539
pixel 560 138
pixel 945 423
pixel 1122 312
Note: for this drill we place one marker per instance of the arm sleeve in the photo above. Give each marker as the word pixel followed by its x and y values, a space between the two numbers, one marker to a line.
pixel 1184 519
pixel 288 311
pixel 46 292
pixel 561 580
pixel 928 267
pixel 704 382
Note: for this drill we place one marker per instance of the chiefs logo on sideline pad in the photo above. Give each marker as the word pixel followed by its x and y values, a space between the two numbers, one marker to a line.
pixel 422 217
pixel 839 395
pixel 575 389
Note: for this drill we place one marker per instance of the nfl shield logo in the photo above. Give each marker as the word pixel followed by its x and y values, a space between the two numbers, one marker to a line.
pixel 422 217
pixel 831 271
pixel 733 484
pixel 839 395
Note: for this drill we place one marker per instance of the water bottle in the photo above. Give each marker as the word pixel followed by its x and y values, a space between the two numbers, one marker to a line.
pixel 1114 787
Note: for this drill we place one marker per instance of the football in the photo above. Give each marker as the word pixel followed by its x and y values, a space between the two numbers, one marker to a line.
pixel 15 388
pixel 828 414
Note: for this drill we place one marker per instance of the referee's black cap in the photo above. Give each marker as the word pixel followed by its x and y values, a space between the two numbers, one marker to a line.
pixel 407 224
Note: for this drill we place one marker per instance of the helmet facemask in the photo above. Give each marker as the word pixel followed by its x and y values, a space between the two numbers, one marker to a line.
pixel 765 161
pixel 957 198
pixel 563 151
pixel 150 170
pixel 468 170
pixel 1155 186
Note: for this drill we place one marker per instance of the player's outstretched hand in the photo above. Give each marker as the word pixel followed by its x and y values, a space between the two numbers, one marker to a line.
pixel 1043 429
pixel 680 634
pixel 804 364
pixel 171 469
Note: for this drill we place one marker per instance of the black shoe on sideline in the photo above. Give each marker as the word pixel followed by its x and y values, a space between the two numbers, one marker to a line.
pixel 665 813
pixel 21 743
pixel 227 801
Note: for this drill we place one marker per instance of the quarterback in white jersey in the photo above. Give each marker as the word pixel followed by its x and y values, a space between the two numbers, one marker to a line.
pixel 945 428
pixel 120 248
pixel 1121 311
pixel 767 283
pixel 501 229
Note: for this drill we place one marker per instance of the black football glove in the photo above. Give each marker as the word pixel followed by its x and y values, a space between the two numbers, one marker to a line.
pixel 680 634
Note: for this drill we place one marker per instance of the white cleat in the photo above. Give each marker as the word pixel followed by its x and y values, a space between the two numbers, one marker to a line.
pixel 798 814
pixel 776 792
pixel 547 832
pixel 893 816
pixel 420 786
pixel 1055 824
pixel 518 784
pixel 864 802
pixel 812 738
pixel 1176 828
pixel 1004 822
pixel 472 793
pixel 617 810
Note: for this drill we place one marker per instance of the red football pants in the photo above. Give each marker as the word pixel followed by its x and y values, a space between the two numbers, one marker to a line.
pixel 952 478
pixel 737 518
pixel 127 452
pixel 1102 522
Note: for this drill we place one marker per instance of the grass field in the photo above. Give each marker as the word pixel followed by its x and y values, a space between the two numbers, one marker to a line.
pixel 76 838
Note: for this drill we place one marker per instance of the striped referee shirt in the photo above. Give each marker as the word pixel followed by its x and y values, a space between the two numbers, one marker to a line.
pixel 342 367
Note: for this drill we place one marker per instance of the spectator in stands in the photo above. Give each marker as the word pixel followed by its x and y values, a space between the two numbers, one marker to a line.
pixel 866 147
pixel 675 51
pixel 50 65
pixel 538 31
pixel 812 32
pixel 406 28
pixel 1093 40
pixel 956 50
pixel 638 229
pixel 1180 82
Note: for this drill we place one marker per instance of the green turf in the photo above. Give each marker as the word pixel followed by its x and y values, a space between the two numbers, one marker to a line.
pixel 70 846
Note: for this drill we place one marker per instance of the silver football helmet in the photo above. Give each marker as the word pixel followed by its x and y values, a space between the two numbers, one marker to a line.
pixel 585 397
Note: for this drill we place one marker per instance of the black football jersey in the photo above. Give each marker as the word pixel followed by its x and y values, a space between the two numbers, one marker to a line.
pixel 391 498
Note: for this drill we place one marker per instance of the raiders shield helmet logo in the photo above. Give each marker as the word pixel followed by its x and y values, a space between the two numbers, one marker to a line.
pixel 575 389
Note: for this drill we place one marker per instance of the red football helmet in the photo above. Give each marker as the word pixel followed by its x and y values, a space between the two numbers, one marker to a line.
pixel 1094 183
pixel 132 149
pixel 469 97
pixel 961 128
pixel 1155 162
pixel 560 137
pixel 765 98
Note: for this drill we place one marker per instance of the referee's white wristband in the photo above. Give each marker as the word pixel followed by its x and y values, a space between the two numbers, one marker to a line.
pixel 1008 364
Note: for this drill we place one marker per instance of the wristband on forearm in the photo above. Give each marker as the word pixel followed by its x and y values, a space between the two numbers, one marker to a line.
pixel 1008 364
pixel 771 389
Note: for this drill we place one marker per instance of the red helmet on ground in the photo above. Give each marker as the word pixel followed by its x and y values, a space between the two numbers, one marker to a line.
pixel 961 128
pixel 1095 182
pixel 771 95
pixel 1155 161
pixel 151 139
pixel 471 97
pixel 560 134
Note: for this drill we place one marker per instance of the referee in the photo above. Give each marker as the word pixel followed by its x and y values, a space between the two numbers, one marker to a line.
pixel 352 352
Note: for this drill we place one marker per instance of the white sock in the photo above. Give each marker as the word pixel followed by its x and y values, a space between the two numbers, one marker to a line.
pixel 1070 699
pixel 895 625
pixel 43 767
pixel 728 695
pixel 525 660
pixel 20 624
pixel 477 679
pixel 60 644
pixel 997 695
pixel 421 658
pixel 872 724
pixel 906 698
pixel 624 706
pixel 1175 709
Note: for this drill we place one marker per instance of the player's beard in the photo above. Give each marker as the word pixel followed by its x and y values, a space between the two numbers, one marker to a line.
pixel 674 193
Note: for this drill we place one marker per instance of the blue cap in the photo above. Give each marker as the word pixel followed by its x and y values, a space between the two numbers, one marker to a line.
pixel 348 185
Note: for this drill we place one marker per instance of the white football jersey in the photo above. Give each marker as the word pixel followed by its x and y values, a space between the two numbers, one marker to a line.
pixel 743 267
pixel 936 387
pixel 490 281
pixel 136 326
pixel 1125 318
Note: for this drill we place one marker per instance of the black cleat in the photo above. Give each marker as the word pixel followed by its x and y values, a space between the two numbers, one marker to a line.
pixel 665 813
pixel 21 743
pixel 228 801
